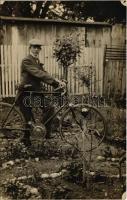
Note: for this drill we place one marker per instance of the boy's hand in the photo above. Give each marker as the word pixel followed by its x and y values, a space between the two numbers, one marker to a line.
pixel 62 84
pixel 61 87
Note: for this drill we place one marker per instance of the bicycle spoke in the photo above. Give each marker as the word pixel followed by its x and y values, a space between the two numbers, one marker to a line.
pixel 11 123
pixel 88 127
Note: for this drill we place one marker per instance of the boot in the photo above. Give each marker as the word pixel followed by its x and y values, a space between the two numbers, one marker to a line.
pixel 26 139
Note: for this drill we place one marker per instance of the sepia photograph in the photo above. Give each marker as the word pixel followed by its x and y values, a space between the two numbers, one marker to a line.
pixel 63 100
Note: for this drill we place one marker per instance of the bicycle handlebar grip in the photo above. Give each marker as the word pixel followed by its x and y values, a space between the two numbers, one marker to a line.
pixel 60 89
pixel 65 81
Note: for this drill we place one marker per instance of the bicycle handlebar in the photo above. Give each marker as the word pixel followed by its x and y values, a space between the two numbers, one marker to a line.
pixel 62 88
pixel 59 88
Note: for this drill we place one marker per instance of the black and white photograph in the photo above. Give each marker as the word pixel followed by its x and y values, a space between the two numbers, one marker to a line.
pixel 63 100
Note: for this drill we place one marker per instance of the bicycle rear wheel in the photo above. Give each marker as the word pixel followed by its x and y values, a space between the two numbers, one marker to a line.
pixel 83 127
pixel 12 122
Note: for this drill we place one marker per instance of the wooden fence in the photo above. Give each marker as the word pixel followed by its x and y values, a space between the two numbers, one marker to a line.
pixel 108 68
pixel 11 56
pixel 115 71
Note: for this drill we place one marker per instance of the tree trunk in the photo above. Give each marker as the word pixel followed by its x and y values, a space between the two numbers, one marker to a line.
pixel 65 71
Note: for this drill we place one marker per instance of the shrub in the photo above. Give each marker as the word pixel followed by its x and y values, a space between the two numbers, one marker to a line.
pixel 66 51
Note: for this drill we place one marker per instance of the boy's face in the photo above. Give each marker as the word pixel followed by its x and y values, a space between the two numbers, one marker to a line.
pixel 35 50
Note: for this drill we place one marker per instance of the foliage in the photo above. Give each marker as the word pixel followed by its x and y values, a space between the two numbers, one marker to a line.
pixel 85 74
pixel 19 190
pixel 97 10
pixel 12 150
pixel 109 11
pixel 116 125
pixel 66 50
pixel 25 8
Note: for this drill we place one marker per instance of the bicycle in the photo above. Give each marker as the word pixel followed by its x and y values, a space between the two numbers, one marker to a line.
pixel 78 123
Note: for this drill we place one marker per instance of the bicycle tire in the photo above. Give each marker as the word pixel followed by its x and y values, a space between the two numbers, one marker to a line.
pixel 75 129
pixel 14 126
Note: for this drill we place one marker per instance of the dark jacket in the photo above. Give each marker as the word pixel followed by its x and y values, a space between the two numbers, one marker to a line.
pixel 32 72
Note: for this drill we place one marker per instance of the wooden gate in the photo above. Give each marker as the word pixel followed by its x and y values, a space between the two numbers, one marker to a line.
pixel 115 71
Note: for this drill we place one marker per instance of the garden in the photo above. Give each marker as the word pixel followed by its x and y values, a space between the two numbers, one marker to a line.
pixel 54 169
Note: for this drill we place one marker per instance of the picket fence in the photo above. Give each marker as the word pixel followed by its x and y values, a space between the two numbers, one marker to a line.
pixel 12 55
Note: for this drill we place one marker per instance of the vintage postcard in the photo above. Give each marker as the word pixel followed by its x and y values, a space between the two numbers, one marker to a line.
pixel 62 100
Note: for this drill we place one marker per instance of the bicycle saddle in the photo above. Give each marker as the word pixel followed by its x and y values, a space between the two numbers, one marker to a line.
pixel 21 87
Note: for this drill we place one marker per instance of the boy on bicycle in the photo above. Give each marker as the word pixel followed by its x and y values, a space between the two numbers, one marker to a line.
pixel 32 74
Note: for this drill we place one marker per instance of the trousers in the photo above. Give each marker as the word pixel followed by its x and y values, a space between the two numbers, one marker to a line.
pixel 23 102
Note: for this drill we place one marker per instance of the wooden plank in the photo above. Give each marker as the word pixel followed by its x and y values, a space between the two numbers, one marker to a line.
pixel 109 79
pixel 42 34
pixel 6 69
pixel 116 77
pixel 113 59
pixel 9 70
pixel 13 71
pixel 3 70
pixel 99 38
pixel 23 31
pixel 53 34
pixel 48 35
pixel 97 70
pixel 116 50
pixel 8 34
pixel 92 66
pixel 16 65
pixel 91 35
pixel 95 59
pixel 105 79
pixel 106 36
pixel 49 69
pixel 102 68
pixel 124 81
pixel 88 61
pixel 20 56
pixel 118 38
pixel 108 75
pixel 72 78
pixel 53 63
pixel 31 32
pixel 45 59
pixel 122 67
pixel 47 63
pixel 120 75
pixel 82 33
pixel 42 55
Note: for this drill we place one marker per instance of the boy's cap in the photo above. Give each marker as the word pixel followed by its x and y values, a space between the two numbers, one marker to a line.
pixel 35 42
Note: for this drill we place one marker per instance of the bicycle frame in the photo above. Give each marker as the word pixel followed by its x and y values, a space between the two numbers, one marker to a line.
pixel 67 108
pixel 65 105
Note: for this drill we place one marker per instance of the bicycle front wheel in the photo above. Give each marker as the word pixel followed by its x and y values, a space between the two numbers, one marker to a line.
pixel 12 122
pixel 83 126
